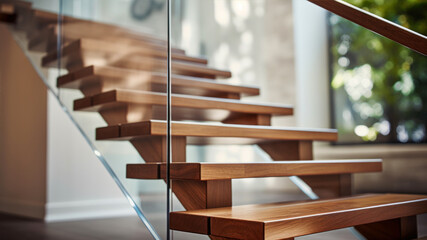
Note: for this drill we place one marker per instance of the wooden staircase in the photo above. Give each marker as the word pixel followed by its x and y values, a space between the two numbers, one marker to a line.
pixel 122 75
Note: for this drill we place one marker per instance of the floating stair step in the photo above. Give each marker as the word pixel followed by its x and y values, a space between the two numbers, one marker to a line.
pixel 96 79
pixel 131 103
pixel 220 171
pixel 33 20
pixel 45 39
pixel 86 52
pixel 101 51
pixel 222 134
pixel 288 220
pixel 37 20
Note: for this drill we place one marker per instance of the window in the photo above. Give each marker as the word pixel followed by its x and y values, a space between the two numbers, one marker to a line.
pixel 379 88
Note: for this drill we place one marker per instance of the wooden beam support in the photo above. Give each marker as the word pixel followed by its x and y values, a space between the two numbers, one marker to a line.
pixel 326 186
pixel 394 229
pixel 330 186
pixel 127 113
pixel 250 119
pixel 153 149
pixel 203 194
pixel 288 150
pixel 192 194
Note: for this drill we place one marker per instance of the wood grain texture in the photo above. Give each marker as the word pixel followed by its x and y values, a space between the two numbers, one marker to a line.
pixel 178 67
pixel 96 79
pixel 388 29
pixel 86 52
pixel 203 194
pixel 153 150
pixel 205 133
pixel 45 39
pixel 184 107
pixel 219 171
pixel 260 119
pixel 96 50
pixel 287 220
pixel 393 229
pixel 86 28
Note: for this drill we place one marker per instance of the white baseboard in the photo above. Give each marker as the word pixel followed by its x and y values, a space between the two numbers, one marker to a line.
pixel 89 209
pixel 23 208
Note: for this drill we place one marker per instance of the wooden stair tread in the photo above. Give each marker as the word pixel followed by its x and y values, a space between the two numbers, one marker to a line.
pixel 86 52
pixel 97 48
pixel 219 171
pixel 45 38
pixel 112 77
pixel 206 108
pixel 287 220
pixel 205 133
pixel 45 19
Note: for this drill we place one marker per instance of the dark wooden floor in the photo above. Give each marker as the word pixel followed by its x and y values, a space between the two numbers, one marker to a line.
pixel 124 228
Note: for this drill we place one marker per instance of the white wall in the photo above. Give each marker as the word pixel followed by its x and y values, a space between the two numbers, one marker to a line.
pixel 78 186
pixel 47 170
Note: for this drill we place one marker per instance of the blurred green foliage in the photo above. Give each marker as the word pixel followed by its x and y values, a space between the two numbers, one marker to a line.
pixel 383 81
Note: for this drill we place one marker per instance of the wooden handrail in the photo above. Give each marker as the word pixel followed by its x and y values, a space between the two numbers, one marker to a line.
pixel 388 29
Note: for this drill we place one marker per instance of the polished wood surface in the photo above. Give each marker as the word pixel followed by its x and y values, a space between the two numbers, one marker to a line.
pixel 184 107
pixel 42 19
pixel 96 79
pixel 86 52
pixel 219 171
pixel 45 38
pixel 96 50
pixel 388 29
pixel 205 133
pixel 153 150
pixel 203 194
pixel 287 220
pixel 178 67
